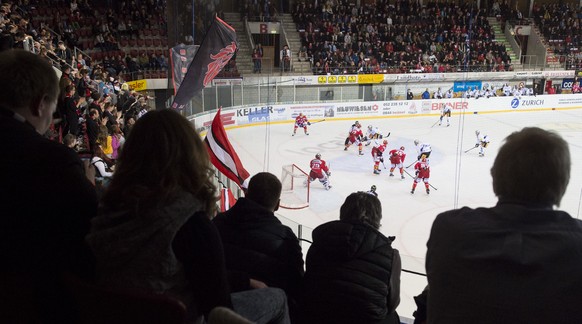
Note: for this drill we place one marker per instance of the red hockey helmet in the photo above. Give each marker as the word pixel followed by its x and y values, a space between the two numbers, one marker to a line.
pixel 402 148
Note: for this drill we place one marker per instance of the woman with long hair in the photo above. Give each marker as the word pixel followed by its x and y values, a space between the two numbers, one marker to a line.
pixel 104 141
pixel 117 141
pixel 153 231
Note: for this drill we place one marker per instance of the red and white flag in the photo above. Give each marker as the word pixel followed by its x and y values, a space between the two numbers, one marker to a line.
pixel 222 155
pixel 227 199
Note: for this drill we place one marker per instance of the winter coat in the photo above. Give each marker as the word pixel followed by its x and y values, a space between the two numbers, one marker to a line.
pixel 352 275
pixel 256 242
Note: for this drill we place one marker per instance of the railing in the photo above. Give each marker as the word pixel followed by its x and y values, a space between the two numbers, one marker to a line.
pixel 513 41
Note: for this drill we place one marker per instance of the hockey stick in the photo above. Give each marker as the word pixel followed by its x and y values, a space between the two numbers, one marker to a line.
pixel 411 164
pixel 472 148
pixel 410 175
pixel 317 121
pixel 436 122
pixel 384 165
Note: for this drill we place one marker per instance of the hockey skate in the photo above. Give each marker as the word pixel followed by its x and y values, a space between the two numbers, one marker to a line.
pixel 345 148
pixel 412 191
pixel 376 171
pixel 360 153
pixel 427 191
pixel 306 133
pixel 481 154
pixel 293 134
pixel 327 187
pixel 402 177
pixel 391 174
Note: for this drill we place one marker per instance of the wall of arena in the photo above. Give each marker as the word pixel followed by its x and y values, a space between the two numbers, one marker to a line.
pixel 286 113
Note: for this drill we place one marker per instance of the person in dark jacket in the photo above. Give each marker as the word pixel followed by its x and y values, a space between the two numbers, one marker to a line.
pixel 257 243
pixel 518 261
pixel 47 201
pixel 352 272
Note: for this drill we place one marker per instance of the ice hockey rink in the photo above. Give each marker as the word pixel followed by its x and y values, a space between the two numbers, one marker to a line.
pixel 460 179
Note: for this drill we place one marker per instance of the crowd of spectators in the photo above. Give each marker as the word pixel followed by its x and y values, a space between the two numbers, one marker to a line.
pixel 80 35
pixel 560 25
pixel 398 37
pixel 259 10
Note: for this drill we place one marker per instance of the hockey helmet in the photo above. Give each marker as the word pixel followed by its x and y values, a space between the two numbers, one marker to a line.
pixel 370 127
pixel 402 148
pixel 373 188
pixel 477 132
pixel 357 123
pixel 300 114
pixel 416 142
pixel 385 142
pixel 318 156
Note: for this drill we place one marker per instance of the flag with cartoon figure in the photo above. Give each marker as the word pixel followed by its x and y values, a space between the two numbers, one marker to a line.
pixel 217 48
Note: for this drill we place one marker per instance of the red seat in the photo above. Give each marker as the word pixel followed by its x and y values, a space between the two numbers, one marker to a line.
pixel 123 43
pixel 148 42
pixel 140 43
pixel 132 43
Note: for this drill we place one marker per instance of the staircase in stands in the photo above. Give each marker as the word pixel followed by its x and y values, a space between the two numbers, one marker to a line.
pixel 244 60
pixel 500 38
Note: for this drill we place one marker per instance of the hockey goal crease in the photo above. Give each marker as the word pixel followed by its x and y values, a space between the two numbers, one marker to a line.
pixel 296 185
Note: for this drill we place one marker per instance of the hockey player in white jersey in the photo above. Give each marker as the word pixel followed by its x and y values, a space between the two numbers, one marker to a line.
pixel 373 133
pixel 423 150
pixel 446 113
pixel 482 142
pixel 507 90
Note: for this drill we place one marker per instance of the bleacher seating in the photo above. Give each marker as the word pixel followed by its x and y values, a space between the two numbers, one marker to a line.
pixel 560 25
pixel 399 39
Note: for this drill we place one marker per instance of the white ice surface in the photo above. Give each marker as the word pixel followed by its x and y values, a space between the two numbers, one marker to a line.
pixel 462 179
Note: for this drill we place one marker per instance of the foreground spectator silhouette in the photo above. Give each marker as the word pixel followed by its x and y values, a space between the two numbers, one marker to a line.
pixel 255 241
pixel 46 199
pixel 154 232
pixel 517 262
pixel 352 272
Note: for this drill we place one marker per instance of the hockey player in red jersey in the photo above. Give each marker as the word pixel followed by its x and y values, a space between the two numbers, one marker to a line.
pixel 301 121
pixel 397 157
pixel 355 137
pixel 319 170
pixel 377 152
pixel 422 174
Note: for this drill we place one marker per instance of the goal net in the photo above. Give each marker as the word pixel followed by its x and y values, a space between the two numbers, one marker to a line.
pixel 295 192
